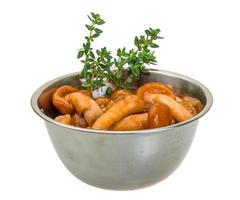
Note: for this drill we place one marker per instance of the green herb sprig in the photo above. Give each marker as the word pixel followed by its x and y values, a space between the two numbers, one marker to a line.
pixel 135 61
pixel 91 71
pixel 100 66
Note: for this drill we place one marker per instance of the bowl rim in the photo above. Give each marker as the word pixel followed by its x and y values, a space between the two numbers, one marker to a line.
pixel 206 91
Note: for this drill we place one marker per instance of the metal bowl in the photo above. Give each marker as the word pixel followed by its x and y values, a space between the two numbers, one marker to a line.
pixel 122 160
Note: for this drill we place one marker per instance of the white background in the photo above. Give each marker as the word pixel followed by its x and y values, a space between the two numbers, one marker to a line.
pixel 39 41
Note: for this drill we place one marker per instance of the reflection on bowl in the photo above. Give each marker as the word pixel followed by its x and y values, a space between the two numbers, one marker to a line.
pixel 122 160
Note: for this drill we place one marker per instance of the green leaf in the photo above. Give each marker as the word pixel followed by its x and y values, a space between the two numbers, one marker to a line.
pixel 87 46
pixel 92 55
pixel 98 52
pixel 95 35
pixel 84 71
pixel 148 33
pixel 136 41
pixel 90 18
pixel 80 54
pixel 119 52
pixel 93 15
pixel 97 30
pixel 100 22
pixel 153 45
pixel 142 38
pixel 109 92
pixel 88 27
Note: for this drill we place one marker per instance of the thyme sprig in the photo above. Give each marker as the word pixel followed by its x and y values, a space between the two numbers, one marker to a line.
pixel 100 66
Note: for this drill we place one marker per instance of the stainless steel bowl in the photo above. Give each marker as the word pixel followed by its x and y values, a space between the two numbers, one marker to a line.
pixel 128 159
